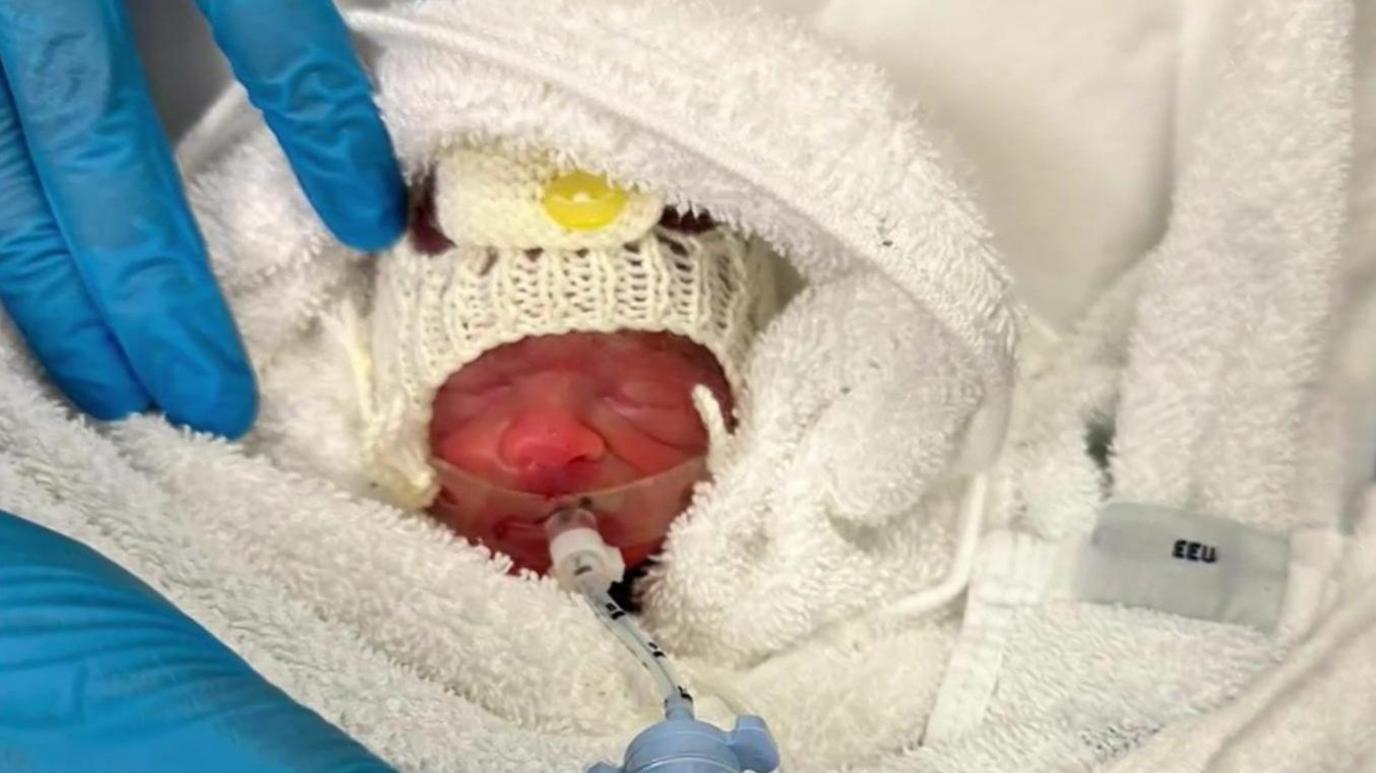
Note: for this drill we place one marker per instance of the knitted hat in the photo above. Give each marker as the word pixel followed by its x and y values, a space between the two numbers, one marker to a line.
pixel 514 247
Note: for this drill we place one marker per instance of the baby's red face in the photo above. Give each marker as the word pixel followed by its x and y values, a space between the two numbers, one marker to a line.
pixel 575 413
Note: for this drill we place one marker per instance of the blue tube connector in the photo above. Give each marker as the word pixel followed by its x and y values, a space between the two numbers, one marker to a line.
pixel 681 744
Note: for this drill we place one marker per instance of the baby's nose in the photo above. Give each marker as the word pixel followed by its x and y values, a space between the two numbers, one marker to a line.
pixel 550 439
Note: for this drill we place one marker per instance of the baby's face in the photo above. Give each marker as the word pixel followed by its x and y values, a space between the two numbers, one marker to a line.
pixel 576 413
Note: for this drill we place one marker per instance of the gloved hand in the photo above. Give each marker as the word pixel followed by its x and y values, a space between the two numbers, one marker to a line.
pixel 99 672
pixel 101 263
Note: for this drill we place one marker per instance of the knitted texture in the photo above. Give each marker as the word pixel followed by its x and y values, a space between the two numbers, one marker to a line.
pixel 512 273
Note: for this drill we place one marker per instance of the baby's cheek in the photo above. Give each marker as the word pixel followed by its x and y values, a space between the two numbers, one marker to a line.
pixel 453 407
pixel 472 445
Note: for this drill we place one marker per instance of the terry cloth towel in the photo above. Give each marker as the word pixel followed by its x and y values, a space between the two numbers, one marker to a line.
pixel 842 477
pixel 1208 547
pixel 815 581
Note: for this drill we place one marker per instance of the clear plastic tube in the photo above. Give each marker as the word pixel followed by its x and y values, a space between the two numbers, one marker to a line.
pixel 632 518
pixel 678 703
pixel 584 562
pixel 973 504
pixel 476 507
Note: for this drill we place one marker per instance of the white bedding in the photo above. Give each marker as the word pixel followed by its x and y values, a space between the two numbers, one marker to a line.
pixel 840 495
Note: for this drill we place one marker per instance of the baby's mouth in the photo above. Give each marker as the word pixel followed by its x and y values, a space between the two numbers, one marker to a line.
pixel 524 541
pixel 633 516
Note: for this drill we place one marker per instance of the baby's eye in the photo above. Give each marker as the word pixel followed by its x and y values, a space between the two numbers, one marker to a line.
pixel 651 394
pixel 677 427
pixel 453 408
pixel 485 393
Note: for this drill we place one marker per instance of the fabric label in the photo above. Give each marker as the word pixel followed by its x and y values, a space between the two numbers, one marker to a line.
pixel 1186 564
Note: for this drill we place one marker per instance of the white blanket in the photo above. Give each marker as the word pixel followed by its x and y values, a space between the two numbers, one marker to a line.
pixel 839 494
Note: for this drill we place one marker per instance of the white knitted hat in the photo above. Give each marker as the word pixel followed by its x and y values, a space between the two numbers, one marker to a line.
pixel 514 247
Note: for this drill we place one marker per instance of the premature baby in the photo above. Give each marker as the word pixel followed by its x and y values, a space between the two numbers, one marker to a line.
pixel 542 337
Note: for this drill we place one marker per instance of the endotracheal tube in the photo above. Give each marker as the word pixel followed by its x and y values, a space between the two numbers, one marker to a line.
pixel 584 563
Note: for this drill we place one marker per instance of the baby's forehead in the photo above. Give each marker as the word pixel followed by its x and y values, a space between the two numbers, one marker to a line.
pixel 615 356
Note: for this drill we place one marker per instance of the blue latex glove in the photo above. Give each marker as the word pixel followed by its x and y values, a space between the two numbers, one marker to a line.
pixel 99 672
pixel 101 263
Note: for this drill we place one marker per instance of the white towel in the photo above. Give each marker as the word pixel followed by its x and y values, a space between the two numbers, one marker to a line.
pixel 833 500
pixel 837 495
pixel 420 645
pixel 1231 399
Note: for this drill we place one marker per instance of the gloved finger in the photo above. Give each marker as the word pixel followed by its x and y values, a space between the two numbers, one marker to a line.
pixel 113 189
pixel 44 295
pixel 297 62
pixel 102 673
